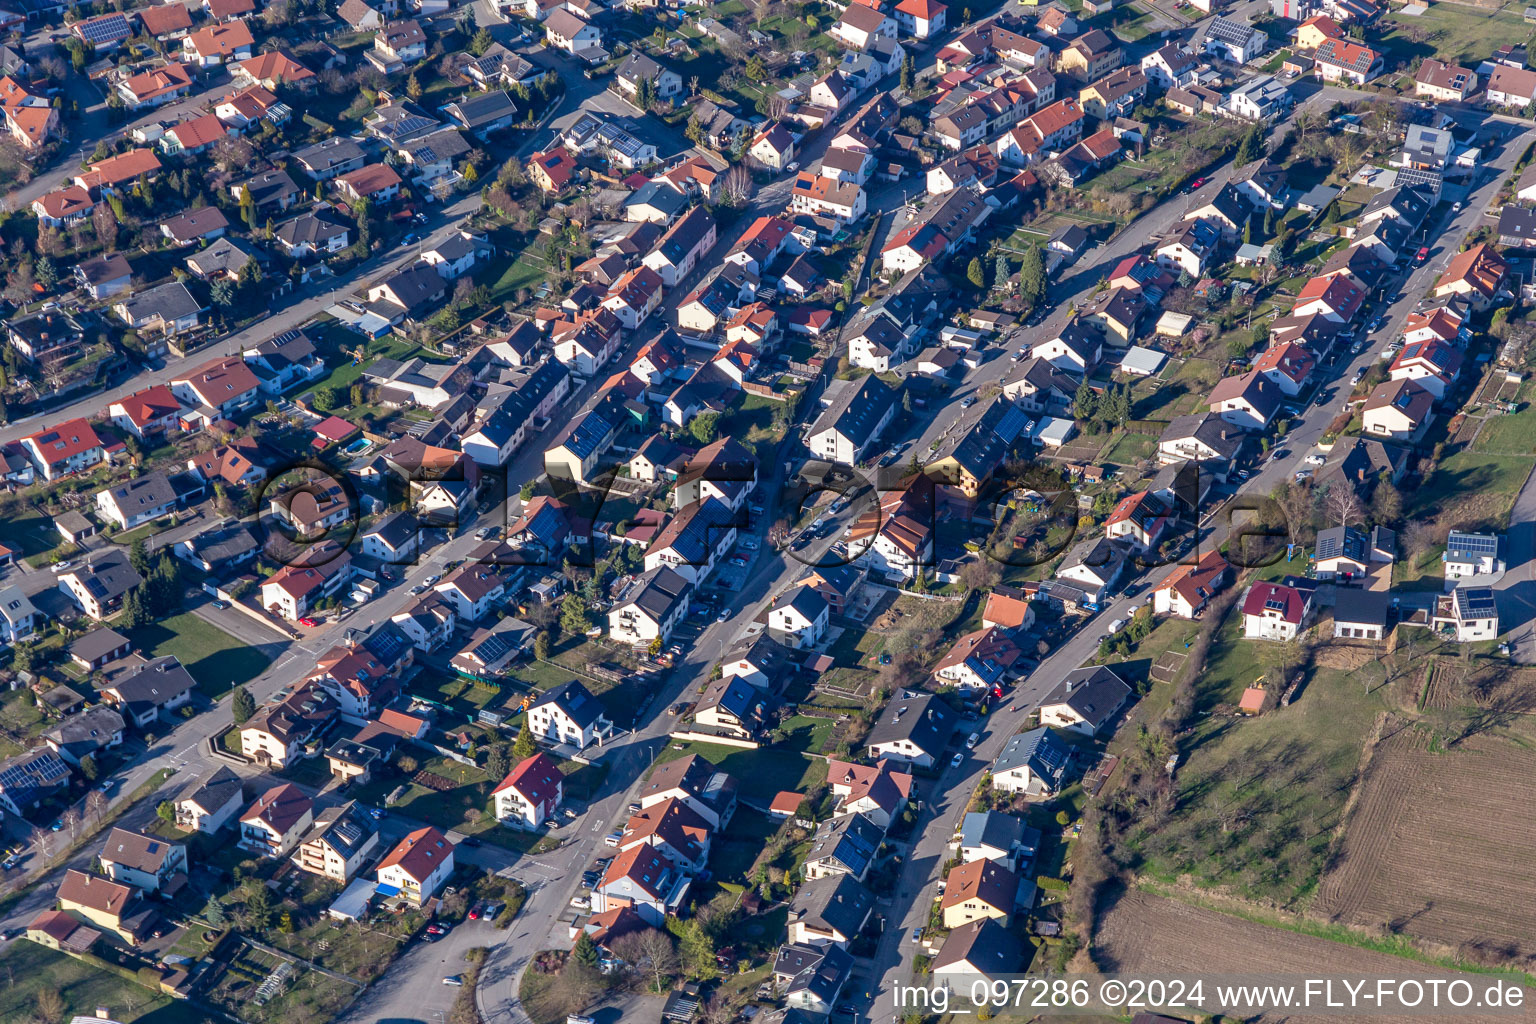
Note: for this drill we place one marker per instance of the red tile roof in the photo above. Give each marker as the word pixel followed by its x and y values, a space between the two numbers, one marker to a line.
pixel 419 853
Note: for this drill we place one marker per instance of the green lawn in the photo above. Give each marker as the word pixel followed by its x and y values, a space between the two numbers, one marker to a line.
pixel 218 661
pixel 31 532
pixel 31 969
pixel 1130 448
pixel 807 734
pixel 1508 434
pixel 760 773
pixel 452 808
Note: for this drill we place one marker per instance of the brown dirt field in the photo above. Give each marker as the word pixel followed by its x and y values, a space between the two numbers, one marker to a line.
pixel 1438 847
pixel 1157 937
pixel 1343 656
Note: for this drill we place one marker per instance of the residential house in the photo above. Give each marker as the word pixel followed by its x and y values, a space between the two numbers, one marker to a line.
pixel 1033 763
pixel 1398 409
pixel 1472 554
pixel 98 586
pixel 531 793
pixel 1467 615
pixel 830 911
pixel 643 879
pixel 845 845
pixel 569 714
pixel 1248 401
pixel 209 803
pixel 418 866
pixel 1084 701
pixel 979 663
pixel 979 890
pixel 105 905
pixel 914 729
pixel 274 824
pixel 1273 611
pixel 148 863
pixel 1476 274
pixel 342 840
pixel 1187 590
pixel 83 734
pixel 853 420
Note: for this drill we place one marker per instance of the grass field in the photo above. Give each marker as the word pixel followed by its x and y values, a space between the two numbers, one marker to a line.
pixel 1508 434
pixel 218 661
pixel 1470 489
pixel 1131 447
pixel 1259 797
pixel 1452 33
pixel 32 969
pixel 760 773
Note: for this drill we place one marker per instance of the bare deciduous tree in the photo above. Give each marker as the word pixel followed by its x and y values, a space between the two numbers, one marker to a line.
pixel 1344 505
pixel 737 187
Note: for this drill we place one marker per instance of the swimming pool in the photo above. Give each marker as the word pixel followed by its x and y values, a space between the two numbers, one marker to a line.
pixel 357 447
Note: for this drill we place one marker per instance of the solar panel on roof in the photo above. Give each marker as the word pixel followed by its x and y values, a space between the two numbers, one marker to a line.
pixel 104 30
pixel 493 648
pixel 1275 604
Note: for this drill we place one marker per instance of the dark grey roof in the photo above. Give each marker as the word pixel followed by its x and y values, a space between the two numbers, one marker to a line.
pixel 310 228
pixel 659 592
pixel 97 644
pixel 415 285
pixel 107 576
pixel 991 828
pixel 1342 542
pixel 395 529
pixel 92 727
pixel 156 682
pixel 856 409
pixel 170 301
pixel 224 544
pixel 1475 603
pixel 332 152
pixel 824 979
pixel 345 828
pixel 213 790
pixel 104 268
pixel 1209 429
pixel 270 187
pixel 849 842
pixel 1093 693
pixel 1363 607
pixel 575 700
pixel 838 902
pixel 152 490
pixel 922 718
pixel 659 195
pixel 483 109
pixel 1045 754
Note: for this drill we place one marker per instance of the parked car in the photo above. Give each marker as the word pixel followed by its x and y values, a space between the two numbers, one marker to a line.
pixel 455 980
pixel 971 741
pixel 917 935
pixel 1315 459
pixel 957 760
pixel 724 616
pixel 431 579
pixel 613 838
pixel 307 621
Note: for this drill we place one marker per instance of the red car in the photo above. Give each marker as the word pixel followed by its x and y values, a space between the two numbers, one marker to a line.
pixel 306 621
pixel 1195 185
